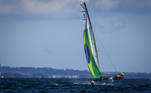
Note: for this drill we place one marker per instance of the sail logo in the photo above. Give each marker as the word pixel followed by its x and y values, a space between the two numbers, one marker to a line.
pixel 87 53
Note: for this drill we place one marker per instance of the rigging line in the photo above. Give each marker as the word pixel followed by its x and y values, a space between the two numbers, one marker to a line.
pixel 107 53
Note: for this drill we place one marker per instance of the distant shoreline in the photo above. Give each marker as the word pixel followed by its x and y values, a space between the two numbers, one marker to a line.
pixel 48 72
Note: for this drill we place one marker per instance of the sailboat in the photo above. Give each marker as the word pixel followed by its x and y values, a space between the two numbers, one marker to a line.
pixel 90 48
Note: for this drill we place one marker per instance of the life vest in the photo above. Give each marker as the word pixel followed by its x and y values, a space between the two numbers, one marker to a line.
pixel 121 76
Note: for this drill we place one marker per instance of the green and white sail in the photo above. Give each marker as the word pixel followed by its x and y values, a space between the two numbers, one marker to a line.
pixel 89 45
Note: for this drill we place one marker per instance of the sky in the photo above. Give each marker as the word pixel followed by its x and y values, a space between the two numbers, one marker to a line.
pixel 49 33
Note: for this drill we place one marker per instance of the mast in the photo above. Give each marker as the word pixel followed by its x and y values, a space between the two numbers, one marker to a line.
pixel 89 44
pixel 83 5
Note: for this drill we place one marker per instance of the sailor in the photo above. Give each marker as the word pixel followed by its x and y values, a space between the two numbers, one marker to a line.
pixel 118 77
pixel 92 82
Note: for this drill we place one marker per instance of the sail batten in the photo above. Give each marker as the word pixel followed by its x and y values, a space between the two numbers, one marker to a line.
pixel 90 46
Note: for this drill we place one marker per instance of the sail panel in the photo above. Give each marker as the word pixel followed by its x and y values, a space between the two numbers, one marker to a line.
pixel 89 45
pixel 92 60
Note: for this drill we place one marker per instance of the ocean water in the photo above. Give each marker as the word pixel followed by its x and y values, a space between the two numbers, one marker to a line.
pixel 43 85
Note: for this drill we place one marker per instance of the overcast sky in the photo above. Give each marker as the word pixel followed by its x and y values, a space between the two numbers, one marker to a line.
pixel 49 33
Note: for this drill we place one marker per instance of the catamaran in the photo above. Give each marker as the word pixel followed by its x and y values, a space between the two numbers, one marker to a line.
pixel 91 50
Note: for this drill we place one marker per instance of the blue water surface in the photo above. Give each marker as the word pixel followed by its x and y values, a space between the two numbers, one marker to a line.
pixel 45 85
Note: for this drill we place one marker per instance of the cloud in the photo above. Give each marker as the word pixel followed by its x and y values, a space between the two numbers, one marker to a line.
pixel 118 24
pixel 70 7
pixel 37 7
pixel 107 4
pixel 126 6
pixel 53 6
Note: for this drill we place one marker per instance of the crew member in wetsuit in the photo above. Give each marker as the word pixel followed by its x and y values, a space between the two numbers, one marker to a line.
pixel 118 77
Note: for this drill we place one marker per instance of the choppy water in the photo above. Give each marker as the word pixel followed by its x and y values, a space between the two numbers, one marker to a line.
pixel 73 86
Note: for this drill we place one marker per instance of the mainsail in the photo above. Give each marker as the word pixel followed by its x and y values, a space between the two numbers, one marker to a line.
pixel 89 45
